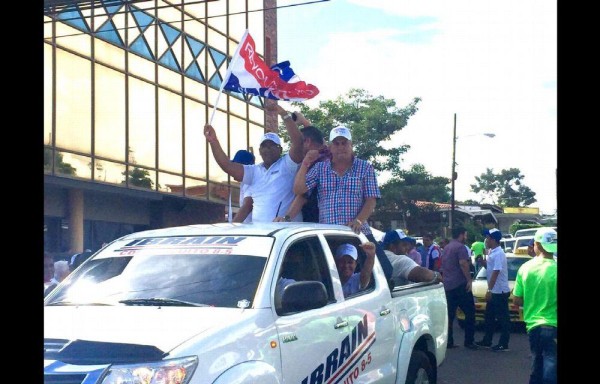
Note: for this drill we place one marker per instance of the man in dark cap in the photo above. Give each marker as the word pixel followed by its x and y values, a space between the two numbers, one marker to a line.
pixel 405 269
pixel 244 214
pixel 497 293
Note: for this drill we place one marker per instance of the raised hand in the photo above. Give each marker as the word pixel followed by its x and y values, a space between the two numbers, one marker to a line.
pixel 210 134
pixel 310 157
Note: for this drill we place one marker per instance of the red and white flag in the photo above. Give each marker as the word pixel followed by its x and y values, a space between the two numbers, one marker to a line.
pixel 249 74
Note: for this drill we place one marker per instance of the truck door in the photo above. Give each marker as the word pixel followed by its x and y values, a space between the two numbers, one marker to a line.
pixel 310 340
pixel 373 347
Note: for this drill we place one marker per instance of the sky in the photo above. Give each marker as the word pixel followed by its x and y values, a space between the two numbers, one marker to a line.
pixel 491 63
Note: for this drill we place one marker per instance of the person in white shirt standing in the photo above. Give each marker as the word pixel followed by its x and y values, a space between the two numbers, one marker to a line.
pixel 497 293
pixel 271 181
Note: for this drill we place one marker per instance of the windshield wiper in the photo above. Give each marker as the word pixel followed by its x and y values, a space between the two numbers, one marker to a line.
pixel 64 302
pixel 161 301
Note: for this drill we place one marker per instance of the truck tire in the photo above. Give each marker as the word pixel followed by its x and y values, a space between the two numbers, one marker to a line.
pixel 420 370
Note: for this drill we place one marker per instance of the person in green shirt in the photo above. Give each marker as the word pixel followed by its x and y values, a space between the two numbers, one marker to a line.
pixel 478 249
pixel 535 291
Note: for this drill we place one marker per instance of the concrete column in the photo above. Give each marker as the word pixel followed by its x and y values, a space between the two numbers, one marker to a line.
pixel 75 216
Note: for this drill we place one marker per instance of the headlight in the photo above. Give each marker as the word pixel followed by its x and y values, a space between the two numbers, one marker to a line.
pixel 175 371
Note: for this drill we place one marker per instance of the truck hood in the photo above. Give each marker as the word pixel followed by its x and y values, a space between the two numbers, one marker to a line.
pixel 162 327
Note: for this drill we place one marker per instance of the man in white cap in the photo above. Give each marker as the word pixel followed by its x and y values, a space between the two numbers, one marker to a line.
pixel 535 290
pixel 272 180
pixel 346 187
pixel 346 256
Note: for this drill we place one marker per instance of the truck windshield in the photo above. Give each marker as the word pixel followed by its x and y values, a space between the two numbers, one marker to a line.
pixel 194 274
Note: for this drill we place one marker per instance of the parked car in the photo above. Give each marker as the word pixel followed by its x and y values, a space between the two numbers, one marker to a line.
pixel 520 246
pixel 526 232
pixel 480 287
pixel 508 244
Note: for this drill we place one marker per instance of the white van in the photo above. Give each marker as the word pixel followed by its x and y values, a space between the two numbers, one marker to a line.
pixel 529 231
pixel 526 232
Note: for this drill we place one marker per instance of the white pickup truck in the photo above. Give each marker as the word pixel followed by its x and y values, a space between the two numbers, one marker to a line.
pixel 201 304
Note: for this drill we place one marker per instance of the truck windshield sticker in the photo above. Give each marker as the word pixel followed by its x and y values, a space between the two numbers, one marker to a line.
pixel 222 245
pixel 344 364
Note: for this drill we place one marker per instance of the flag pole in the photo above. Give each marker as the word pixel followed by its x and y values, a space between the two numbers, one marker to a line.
pixel 234 59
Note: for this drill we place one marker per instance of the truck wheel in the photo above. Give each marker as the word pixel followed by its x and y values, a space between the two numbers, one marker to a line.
pixel 420 370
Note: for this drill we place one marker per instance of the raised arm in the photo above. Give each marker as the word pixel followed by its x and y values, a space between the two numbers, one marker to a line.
pixel 296 139
pixel 234 170
pixel 300 180
pixel 367 267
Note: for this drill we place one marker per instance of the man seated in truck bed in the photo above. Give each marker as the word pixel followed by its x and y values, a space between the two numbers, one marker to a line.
pixel 406 270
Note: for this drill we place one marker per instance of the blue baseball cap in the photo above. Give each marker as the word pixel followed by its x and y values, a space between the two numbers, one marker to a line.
pixel 395 235
pixel 243 157
pixel 494 233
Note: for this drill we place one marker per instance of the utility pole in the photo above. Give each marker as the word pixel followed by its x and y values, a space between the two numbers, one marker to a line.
pixel 451 218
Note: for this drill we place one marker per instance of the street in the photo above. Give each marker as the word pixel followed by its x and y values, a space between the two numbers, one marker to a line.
pixel 464 366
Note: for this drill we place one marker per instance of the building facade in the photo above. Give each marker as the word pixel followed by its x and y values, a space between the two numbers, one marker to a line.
pixel 128 88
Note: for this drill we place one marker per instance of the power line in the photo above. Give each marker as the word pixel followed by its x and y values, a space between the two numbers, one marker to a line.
pixel 171 6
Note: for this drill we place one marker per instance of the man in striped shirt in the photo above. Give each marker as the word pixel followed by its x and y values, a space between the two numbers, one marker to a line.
pixel 346 187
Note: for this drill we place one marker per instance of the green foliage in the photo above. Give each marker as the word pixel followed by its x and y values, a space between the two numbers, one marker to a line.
pixel 61 166
pixel 372 121
pixel 400 192
pixel 140 178
pixel 474 229
pixel 505 188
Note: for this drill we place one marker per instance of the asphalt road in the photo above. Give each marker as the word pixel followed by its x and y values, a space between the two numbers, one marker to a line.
pixel 465 366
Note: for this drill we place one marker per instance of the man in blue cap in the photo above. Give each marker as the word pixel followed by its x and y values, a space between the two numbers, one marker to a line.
pixel 497 293
pixel 244 214
pixel 405 269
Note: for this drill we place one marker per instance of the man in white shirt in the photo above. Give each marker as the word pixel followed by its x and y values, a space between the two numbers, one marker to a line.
pixel 405 269
pixel 497 293
pixel 271 181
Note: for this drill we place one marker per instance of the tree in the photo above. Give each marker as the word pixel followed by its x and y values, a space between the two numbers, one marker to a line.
pixel 372 120
pixel 401 191
pixel 505 188
pixel 60 165
pixel 140 178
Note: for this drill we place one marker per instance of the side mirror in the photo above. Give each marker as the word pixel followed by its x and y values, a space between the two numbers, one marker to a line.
pixel 302 296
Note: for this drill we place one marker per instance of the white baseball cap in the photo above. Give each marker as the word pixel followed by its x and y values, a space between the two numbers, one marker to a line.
pixel 548 239
pixel 340 131
pixel 346 249
pixel 271 136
